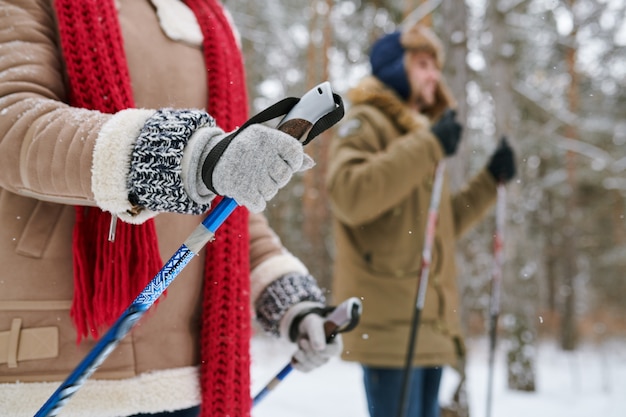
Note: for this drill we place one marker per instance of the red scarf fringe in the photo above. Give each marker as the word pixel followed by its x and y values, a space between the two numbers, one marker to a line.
pixel 106 274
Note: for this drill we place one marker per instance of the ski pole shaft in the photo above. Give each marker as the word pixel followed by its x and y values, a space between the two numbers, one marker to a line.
pixel 202 234
pixel 498 251
pixel 343 318
pixel 496 282
pixel 296 124
pixel 433 214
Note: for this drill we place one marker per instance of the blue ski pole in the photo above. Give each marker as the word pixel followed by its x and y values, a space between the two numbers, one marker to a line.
pixel 315 112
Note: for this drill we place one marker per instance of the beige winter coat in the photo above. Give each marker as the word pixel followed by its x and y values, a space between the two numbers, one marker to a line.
pixel 45 162
pixel 380 180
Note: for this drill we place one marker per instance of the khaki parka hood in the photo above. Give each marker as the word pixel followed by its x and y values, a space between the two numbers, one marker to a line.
pixel 371 91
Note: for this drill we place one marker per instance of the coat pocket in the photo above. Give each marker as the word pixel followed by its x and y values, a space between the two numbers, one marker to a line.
pixel 19 344
pixel 39 229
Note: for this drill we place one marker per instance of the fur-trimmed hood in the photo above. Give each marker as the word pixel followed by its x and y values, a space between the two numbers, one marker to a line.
pixel 370 90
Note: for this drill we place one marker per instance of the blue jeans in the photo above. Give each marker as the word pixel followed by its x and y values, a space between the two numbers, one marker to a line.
pixel 383 387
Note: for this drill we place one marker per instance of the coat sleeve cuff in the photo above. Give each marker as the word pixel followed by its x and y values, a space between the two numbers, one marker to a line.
pixel 155 178
pixel 196 151
pixel 138 168
pixel 270 270
pixel 111 164
pixel 281 296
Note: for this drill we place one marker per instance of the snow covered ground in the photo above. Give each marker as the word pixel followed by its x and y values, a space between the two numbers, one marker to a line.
pixel 588 382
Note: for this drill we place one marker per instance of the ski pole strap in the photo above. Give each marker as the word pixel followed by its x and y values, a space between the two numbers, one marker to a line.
pixel 295 324
pixel 327 121
pixel 278 109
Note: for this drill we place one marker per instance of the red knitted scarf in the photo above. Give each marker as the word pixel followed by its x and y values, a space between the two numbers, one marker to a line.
pixel 108 276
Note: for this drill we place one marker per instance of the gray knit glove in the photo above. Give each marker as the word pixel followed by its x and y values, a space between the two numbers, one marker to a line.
pixel 313 348
pixel 253 166
pixel 168 157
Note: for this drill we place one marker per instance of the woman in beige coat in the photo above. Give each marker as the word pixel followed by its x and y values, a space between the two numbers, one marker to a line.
pixel 102 112
pixel 380 180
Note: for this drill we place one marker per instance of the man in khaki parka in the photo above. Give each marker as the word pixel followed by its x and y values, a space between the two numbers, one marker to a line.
pixel 380 178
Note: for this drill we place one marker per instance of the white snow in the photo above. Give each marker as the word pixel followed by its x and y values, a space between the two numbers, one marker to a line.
pixel 588 382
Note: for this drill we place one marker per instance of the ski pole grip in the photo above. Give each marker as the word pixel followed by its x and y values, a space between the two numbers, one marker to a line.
pixel 296 127
pixel 330 330
pixel 343 318
pixel 316 111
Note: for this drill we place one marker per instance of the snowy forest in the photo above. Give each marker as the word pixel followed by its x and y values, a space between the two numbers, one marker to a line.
pixel 548 74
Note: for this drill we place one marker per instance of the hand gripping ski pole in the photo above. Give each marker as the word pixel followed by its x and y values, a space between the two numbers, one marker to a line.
pixel 340 319
pixel 496 281
pixel 315 112
pixel 433 214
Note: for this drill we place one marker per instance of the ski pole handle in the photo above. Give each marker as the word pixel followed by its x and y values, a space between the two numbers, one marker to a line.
pixel 313 107
pixel 332 111
pixel 340 319
pixel 343 318
pixel 318 107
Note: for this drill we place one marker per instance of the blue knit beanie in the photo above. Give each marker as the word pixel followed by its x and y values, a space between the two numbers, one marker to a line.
pixel 387 61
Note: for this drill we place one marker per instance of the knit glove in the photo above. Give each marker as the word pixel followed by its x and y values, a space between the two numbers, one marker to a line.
pixel 147 161
pixel 313 348
pixel 253 166
pixel 291 307
pixel 502 163
pixel 448 131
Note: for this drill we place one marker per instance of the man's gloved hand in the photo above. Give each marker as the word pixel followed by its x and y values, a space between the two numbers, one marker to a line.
pixel 448 131
pixel 502 163
pixel 313 349
pixel 254 165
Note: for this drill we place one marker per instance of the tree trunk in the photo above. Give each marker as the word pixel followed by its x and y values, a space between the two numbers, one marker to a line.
pixel 569 333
